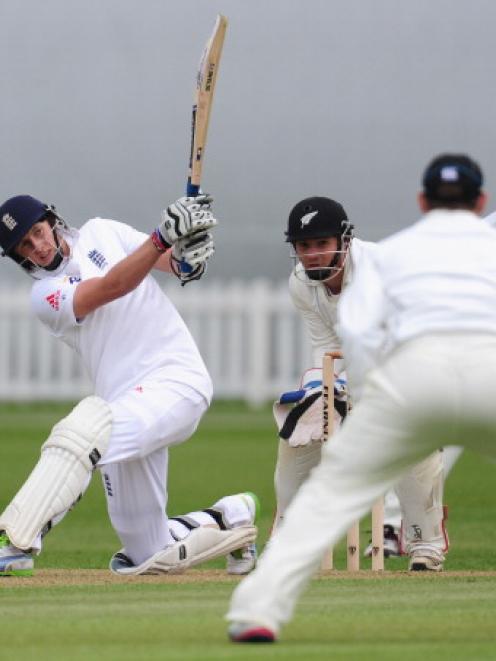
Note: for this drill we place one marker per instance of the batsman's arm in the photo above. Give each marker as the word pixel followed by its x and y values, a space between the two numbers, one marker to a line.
pixel 121 279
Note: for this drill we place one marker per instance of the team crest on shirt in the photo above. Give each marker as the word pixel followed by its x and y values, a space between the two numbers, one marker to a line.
pixel 97 258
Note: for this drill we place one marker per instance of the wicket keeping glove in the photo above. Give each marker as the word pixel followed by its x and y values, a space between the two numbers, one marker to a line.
pixel 298 413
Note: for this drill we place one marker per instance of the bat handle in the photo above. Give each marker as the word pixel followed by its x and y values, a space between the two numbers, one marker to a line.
pixel 192 190
pixel 184 267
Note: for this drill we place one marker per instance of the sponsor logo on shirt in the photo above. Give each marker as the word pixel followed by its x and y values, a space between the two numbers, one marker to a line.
pixel 97 258
pixel 72 279
pixel 54 300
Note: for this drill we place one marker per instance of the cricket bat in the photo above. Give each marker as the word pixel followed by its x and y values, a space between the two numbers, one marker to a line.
pixel 202 105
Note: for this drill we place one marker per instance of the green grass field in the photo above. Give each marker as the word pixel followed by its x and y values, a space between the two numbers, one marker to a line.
pixel 83 612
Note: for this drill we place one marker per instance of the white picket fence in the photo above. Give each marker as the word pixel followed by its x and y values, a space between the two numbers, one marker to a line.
pixel 249 334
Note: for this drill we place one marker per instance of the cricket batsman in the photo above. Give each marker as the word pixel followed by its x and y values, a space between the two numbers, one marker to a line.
pixel 94 291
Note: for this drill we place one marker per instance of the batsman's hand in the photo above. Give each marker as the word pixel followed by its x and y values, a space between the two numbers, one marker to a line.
pixel 190 254
pixel 186 216
pixel 194 249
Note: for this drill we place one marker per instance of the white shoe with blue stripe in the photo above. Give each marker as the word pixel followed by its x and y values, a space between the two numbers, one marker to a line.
pixel 14 561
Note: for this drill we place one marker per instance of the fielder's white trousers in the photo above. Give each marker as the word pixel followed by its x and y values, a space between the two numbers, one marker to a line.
pixel 432 389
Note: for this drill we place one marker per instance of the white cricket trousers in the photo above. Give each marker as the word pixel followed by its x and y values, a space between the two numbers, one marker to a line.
pixel 437 388
pixel 147 421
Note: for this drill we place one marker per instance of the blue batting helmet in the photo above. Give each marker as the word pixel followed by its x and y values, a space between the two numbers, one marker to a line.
pixel 17 216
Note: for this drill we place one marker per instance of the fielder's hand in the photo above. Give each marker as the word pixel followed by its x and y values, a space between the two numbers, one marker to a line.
pixel 186 216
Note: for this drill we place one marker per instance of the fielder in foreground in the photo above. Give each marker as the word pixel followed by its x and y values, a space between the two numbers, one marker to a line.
pixel 418 329
pixel 327 256
pixel 93 290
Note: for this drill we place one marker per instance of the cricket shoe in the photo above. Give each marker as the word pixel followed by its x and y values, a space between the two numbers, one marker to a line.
pixel 14 561
pixel 243 560
pixel 120 562
pixel 203 543
pixel 244 632
pixel 391 544
pixel 420 560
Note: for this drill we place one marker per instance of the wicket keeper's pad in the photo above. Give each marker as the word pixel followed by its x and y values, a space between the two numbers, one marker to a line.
pixel 67 459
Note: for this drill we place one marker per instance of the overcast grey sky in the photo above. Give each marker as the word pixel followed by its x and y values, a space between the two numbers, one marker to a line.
pixel 345 98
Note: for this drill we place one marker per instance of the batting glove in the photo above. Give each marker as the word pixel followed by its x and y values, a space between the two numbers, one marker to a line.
pixel 194 249
pixel 187 273
pixel 189 256
pixel 184 217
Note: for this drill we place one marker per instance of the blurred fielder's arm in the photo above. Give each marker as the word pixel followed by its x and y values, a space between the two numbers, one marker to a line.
pixel 362 318
pixel 491 219
pixel 363 312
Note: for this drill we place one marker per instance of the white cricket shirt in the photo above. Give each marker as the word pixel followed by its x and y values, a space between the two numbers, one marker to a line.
pixel 318 306
pixel 436 276
pixel 140 335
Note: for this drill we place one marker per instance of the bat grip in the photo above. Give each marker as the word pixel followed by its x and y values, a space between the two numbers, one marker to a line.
pixel 192 190
pixel 184 267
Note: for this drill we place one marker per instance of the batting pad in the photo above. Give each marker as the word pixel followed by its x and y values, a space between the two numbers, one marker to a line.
pixel 202 544
pixel 67 459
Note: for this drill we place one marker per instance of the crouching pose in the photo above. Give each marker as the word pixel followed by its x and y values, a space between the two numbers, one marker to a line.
pixel 94 291
pixel 417 304
pixel 327 255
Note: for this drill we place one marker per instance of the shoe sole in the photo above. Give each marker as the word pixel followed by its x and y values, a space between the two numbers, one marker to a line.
pixel 421 566
pixel 17 572
pixel 255 635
